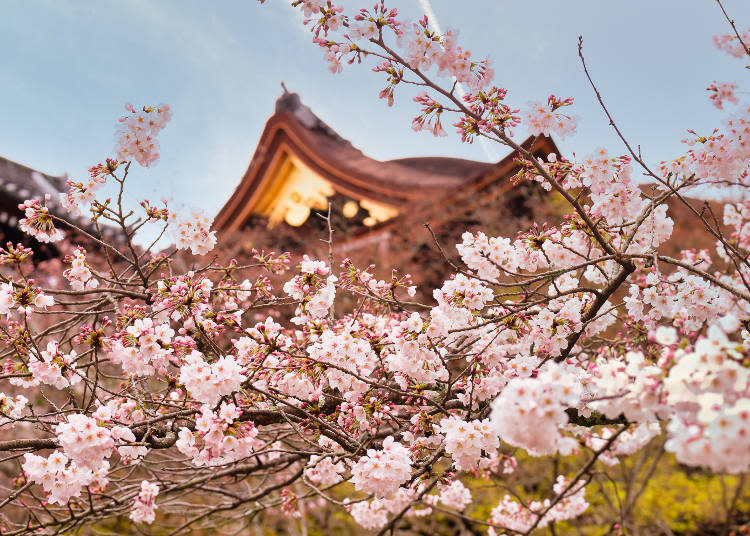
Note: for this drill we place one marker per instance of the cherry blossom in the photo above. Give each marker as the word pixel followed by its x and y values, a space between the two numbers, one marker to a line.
pixel 466 441
pixel 38 222
pixel 193 233
pixel 144 505
pixel 135 373
pixel 79 274
pixel 382 471
pixel 137 131
pixel 455 495
pixel 546 119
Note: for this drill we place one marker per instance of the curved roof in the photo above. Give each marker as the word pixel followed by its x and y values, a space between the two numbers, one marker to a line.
pixel 295 131
pixel 443 165
pixel 22 182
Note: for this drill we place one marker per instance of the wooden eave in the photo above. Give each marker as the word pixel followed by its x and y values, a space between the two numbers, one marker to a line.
pixel 436 209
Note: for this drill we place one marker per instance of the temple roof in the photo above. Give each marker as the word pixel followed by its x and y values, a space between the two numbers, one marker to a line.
pixel 21 182
pixel 414 174
pixel 294 130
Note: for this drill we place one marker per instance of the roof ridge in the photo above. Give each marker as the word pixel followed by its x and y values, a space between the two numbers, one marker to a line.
pixel 291 102
pixel 21 175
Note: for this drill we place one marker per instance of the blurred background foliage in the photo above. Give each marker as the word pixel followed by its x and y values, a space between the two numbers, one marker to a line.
pixel 647 494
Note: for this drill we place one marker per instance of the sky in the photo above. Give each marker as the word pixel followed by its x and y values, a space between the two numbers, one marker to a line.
pixel 68 68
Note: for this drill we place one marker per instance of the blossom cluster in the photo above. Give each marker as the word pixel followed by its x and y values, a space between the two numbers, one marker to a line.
pixel 351 358
pixel 23 298
pixel 62 479
pixel 544 118
pixel 511 514
pixel 53 367
pixel 143 348
pixel 425 48
pixel 732 45
pixel 137 131
pixel 11 408
pixel 531 410
pixel 414 358
pixel 208 382
pixel 314 287
pixel 84 441
pixel 324 472
pixel 374 514
pixel 720 156
pixel 455 495
pixel 38 222
pixel 722 91
pixel 737 217
pixel 625 443
pixel 84 192
pixel 711 393
pixel 466 442
pixel 184 297
pixel 223 437
pixel 79 274
pixel 193 233
pixel 144 505
pixel 382 471
pixel 686 298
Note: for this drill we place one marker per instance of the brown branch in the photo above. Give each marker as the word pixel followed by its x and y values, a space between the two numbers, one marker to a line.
pixel 731 23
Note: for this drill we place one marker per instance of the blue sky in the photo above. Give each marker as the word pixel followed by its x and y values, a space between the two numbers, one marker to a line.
pixel 69 67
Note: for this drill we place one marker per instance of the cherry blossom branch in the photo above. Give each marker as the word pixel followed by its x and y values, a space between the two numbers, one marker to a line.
pixel 734 28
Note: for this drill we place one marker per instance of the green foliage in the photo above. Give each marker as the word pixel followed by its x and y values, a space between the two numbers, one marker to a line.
pixel 686 502
pixel 646 500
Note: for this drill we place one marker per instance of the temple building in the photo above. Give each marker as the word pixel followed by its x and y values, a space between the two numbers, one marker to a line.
pixel 301 165
pixel 19 183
